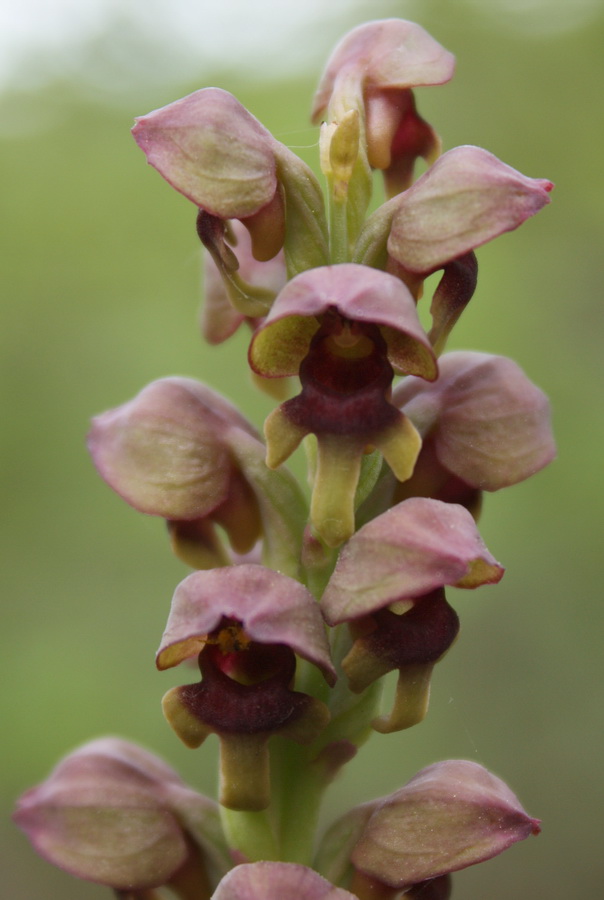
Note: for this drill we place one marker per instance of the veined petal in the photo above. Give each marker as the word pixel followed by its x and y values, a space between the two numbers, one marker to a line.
pixel 212 150
pixel 110 813
pixel 165 452
pixel 277 881
pixel 408 551
pixel 449 816
pixel 490 424
pixel 468 197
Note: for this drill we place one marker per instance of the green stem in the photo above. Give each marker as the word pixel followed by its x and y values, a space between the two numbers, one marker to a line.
pixel 249 834
pixel 338 229
pixel 351 714
pixel 297 791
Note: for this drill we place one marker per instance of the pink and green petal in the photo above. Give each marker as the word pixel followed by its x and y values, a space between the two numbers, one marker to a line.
pixel 359 294
pixel 468 197
pixel 110 813
pixel 451 815
pixel 272 609
pixel 212 150
pixel 490 426
pixel 415 547
pixel 277 881
pixel 386 54
pixel 165 452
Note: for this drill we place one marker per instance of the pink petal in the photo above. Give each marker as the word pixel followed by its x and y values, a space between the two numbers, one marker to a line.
pixel 273 609
pixel 468 197
pixel 413 548
pixel 490 424
pixel 277 881
pixel 166 451
pixel 450 815
pixel 212 150
pixel 359 293
pixel 101 816
pixel 391 53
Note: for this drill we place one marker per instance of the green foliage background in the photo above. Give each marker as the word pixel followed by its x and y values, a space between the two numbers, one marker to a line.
pixel 100 294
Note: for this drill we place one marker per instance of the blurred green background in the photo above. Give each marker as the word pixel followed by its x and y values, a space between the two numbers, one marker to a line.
pixel 101 286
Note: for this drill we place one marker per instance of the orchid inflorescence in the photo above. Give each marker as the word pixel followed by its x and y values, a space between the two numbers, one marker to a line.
pixel 298 607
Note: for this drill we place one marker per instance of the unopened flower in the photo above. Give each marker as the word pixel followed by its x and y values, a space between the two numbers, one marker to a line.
pixel 246 624
pixel 388 585
pixel 345 329
pixel 113 813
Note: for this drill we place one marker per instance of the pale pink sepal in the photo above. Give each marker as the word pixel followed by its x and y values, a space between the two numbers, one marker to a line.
pixel 385 54
pixel 277 881
pixel 166 452
pixel 413 548
pixel 111 812
pixel 468 197
pixel 212 150
pixel 359 294
pixel 489 423
pixel 451 815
